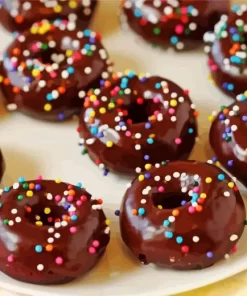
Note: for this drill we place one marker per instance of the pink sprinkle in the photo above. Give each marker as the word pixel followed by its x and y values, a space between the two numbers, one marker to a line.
pixel 70 198
pixel 95 243
pixel 96 103
pixel 156 100
pixel 171 111
pixel 185 249
pixel 79 203
pixel 191 210
pixel 234 249
pixel 179 29
pixel 196 189
pixel 53 74
pixel 34 47
pixel 186 92
pixel 156 112
pixel 10 258
pixel 39 177
pixel 92 250
pixel 73 229
pixel 128 134
pixel 178 141
pixel 184 10
pixel 59 260
pixel 58 198
pixel 214 67
pixel 161 189
pixel 72 213
pixel 83 198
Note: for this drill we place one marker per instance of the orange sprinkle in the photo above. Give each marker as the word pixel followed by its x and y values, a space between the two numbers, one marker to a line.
pixel 120 101
pixel 199 208
pixel 134 212
pixel 6 81
pixel 175 213
pixel 225 111
pixel 71 192
pixel 61 89
pixel 19 19
pixel 100 201
pixel 49 248
pixel 86 104
pixel 16 90
pixel 16 51
pixel 28 209
pixel 196 113
pixel 107 83
pixel 31 186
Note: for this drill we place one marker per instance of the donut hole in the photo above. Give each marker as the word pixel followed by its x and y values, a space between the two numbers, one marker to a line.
pixel 140 110
pixel 41 215
pixel 50 56
pixel 170 200
pixel 142 258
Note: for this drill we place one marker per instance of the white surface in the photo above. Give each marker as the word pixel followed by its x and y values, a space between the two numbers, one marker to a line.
pixel 33 147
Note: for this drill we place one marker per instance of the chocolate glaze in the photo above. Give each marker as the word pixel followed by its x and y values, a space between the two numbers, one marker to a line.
pixel 2 165
pixel 162 23
pixel 25 247
pixel 52 50
pixel 19 15
pixel 190 240
pixel 130 132
pixel 228 139
pixel 227 52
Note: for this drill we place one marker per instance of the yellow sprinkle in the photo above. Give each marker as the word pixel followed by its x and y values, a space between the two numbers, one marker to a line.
pixel 92 113
pixel 34 30
pixel 69 53
pixel 102 110
pixel 93 98
pixel 38 223
pixel 58 180
pixel 218 164
pixel 160 207
pixel 142 74
pixel 148 166
pixel 109 144
pixel 151 136
pixel 208 180
pixel 111 105
pixel 211 118
pixel 231 185
pixel 1 78
pixel 47 211
pixel 47 107
pixel 173 103
pixel 29 193
pixel 58 8
pixel 35 72
pixel 141 178
pixel 72 4
pixel 245 93
pixel 203 195
pixel 107 222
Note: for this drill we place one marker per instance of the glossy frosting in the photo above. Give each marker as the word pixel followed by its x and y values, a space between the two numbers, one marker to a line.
pixel 51 232
pixel 228 138
pixel 19 15
pixel 47 70
pixel 227 52
pixel 200 222
pixel 2 165
pixel 178 23
pixel 132 122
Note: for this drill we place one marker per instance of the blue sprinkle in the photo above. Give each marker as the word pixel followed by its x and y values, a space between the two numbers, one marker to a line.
pixel 174 40
pixel 61 116
pixel 210 254
pixel 106 172
pixel 117 212
pixel 147 175
pixel 230 163
pixel 38 248
pixel 74 217
pixel 168 234
pixel 230 87
pixel 49 97
pixel 79 184
pixel 131 74
pixel 94 130
pixel 37 187
pixel 166 223
pixel 157 85
pixel 150 141
pixel 71 70
pixel 190 130
pixel 6 189
pixel 179 239
pixel 221 177
pixel 21 180
pixel 138 13
pixel 148 125
pixel 100 135
pixel 66 206
pixel 146 157
pixel 141 211
pixel 87 33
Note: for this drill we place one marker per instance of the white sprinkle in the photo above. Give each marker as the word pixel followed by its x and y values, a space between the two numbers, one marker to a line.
pixel 234 128
pixel 137 147
pixel 88 70
pixel 227 256
pixel 176 175
pixel 233 237
pixel 57 224
pixel 14 211
pixel 51 230
pixel 64 223
pixel 11 223
pixel 16 185
pixel 226 193
pixel 50 240
pixel 168 178
pixel 195 239
pixel 107 230
pixel 40 267
pixel 82 94
pixel 143 201
pixel 57 235
pixel 171 219
pixel 49 196
pixel 18 219
pixel 138 170
pixel 157 178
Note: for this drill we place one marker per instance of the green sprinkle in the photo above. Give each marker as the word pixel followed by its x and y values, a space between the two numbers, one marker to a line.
pixel 157 31
pixel 6 221
pixel 20 197
pixel 84 151
pixel 25 186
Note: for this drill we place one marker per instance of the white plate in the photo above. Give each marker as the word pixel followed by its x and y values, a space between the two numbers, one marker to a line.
pixel 33 147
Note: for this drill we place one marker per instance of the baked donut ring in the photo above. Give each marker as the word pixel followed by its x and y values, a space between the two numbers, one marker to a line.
pixel 19 15
pixel 51 232
pixel 182 215
pixel 45 68
pixel 178 23
pixel 227 52
pixel 2 165
pixel 228 138
pixel 132 122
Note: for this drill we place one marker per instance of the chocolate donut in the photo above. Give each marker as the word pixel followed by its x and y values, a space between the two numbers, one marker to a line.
pixel 51 232
pixel 176 23
pixel 182 215
pixel 134 121
pixel 228 137
pixel 227 52
pixel 46 67
pixel 19 15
